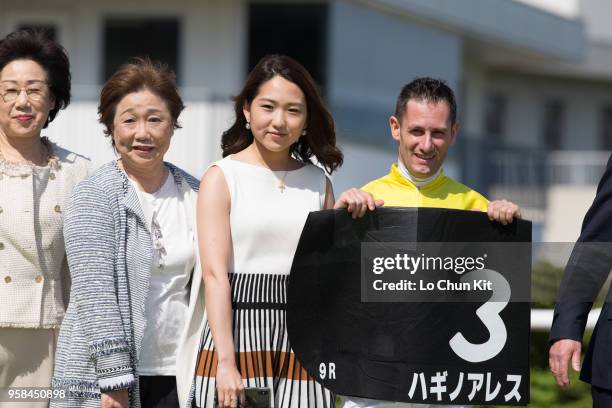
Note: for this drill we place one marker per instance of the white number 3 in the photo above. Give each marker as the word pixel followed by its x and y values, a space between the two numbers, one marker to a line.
pixel 489 315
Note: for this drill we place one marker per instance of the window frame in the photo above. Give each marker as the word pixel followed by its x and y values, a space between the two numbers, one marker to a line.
pixel 59 21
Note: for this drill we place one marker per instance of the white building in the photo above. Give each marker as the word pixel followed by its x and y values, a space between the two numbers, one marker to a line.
pixel 555 120
pixel 528 75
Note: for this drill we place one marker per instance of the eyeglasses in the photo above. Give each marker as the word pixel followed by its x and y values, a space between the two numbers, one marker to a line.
pixel 35 93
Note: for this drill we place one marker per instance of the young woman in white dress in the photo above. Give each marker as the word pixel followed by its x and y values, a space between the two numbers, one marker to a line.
pixel 252 207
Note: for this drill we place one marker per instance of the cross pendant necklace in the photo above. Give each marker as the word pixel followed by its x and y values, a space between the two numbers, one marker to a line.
pixel 281 182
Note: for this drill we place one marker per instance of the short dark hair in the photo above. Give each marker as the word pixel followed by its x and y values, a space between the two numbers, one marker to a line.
pixel 137 75
pixel 319 141
pixel 35 45
pixel 429 90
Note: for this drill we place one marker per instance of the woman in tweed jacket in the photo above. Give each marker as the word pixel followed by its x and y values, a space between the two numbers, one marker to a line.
pixel 36 179
pixel 131 250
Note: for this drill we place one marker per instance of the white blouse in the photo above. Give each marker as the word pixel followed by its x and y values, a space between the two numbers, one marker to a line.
pixel 174 256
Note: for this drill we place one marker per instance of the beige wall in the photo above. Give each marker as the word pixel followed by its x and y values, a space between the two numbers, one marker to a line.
pixel 563 8
pixel 567 206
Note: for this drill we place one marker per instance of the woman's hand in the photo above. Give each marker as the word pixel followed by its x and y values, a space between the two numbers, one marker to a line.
pixel 357 202
pixel 115 399
pixel 230 388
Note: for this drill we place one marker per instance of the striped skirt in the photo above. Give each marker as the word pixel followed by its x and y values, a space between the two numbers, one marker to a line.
pixel 263 353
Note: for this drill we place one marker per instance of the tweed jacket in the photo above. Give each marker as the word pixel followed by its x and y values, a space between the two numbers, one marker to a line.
pixel 34 277
pixel 110 253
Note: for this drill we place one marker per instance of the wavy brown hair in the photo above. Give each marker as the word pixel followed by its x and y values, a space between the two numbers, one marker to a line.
pixel 319 141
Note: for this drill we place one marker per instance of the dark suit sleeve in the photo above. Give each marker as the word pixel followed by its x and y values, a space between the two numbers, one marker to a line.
pixel 588 266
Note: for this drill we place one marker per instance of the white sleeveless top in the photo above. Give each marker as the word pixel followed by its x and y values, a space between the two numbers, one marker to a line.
pixel 266 223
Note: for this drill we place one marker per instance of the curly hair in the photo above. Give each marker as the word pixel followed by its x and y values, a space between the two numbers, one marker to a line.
pixel 36 46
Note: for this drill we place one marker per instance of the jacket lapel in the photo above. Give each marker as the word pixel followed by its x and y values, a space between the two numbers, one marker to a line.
pixel 131 202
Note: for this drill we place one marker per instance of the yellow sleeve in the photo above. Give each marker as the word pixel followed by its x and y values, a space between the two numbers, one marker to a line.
pixel 478 202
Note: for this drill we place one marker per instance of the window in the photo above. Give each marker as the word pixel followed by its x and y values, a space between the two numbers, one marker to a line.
pixel 297 30
pixel 553 122
pixel 157 38
pixel 606 127
pixel 55 24
pixel 495 115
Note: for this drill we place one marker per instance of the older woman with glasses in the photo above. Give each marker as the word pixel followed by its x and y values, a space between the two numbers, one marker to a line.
pixel 36 179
